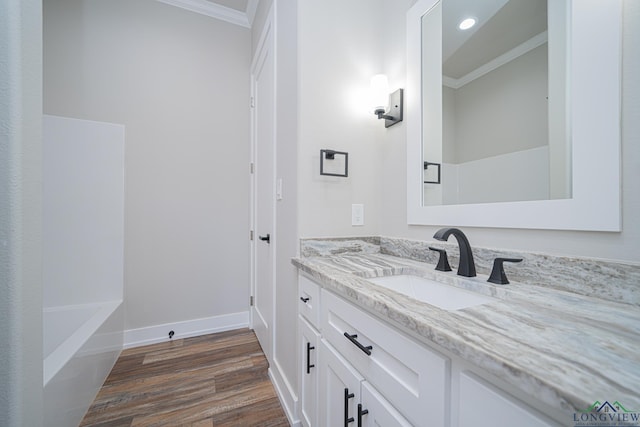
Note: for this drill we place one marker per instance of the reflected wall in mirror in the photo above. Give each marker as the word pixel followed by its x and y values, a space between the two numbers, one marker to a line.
pixel 495 106
pixel 588 125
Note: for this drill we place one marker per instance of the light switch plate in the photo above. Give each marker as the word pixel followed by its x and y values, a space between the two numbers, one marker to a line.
pixel 357 214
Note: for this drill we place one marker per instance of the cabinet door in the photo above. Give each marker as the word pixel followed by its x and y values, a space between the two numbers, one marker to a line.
pixel 309 347
pixel 376 411
pixel 339 389
pixel 483 405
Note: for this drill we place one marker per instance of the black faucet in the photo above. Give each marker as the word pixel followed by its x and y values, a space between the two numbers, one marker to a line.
pixel 466 267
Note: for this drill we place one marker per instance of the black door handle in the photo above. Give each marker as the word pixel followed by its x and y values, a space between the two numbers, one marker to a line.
pixel 361 412
pixel 352 338
pixel 266 238
pixel 347 418
pixel 309 365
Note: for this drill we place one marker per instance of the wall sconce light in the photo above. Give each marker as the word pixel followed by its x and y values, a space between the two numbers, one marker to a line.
pixel 386 106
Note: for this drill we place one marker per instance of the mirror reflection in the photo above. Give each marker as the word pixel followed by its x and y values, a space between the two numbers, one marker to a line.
pixel 495 107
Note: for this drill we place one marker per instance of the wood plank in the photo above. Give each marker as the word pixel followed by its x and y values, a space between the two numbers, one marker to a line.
pixel 264 414
pixel 210 380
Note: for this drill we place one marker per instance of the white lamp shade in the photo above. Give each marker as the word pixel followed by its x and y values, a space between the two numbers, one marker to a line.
pixel 379 92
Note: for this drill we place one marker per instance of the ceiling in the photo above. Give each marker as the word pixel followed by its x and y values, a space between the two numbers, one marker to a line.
pixel 502 25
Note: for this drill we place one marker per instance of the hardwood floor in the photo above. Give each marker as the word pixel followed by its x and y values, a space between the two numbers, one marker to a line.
pixel 211 380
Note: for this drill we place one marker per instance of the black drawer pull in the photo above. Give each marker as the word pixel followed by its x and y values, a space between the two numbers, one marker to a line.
pixel 361 412
pixel 347 396
pixel 309 365
pixel 304 300
pixel 353 339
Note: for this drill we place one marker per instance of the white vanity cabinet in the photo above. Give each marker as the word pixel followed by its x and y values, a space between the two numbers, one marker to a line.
pixel 480 404
pixel 357 370
pixel 309 320
pixel 332 391
pixel 309 349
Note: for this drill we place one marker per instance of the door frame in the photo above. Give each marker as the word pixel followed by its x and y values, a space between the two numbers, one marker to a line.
pixel 266 42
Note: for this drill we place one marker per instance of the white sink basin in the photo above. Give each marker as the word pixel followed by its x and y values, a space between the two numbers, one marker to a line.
pixel 432 292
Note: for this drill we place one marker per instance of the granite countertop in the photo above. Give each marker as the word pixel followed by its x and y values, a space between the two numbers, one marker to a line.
pixel 565 349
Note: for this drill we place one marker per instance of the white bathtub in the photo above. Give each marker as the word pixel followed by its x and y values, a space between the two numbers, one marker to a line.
pixel 80 346
pixel 83 262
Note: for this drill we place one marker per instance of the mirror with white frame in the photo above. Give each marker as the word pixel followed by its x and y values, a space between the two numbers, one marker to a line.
pixel 574 174
pixel 502 136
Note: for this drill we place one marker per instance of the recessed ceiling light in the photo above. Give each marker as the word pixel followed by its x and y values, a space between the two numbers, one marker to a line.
pixel 467 23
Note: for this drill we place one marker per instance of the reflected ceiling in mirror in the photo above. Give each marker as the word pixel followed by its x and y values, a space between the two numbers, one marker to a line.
pixel 497 131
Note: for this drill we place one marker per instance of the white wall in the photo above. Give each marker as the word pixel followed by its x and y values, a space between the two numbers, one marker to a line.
pixel 330 66
pixel 20 213
pixel 179 82
pixel 286 339
pixel 433 116
pixel 494 133
pixel 339 53
pixel 284 359
pixel 449 125
pixel 617 246
pixel 503 111
pixel 522 175
pixel 83 211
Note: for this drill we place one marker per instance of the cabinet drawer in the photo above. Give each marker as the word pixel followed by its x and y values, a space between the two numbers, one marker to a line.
pixel 411 377
pixel 309 300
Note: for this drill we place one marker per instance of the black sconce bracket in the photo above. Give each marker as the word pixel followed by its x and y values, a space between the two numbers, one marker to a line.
pixel 395 109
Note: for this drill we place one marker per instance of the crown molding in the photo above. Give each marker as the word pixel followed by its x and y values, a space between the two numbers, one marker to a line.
pixel 213 10
pixel 517 51
pixel 252 7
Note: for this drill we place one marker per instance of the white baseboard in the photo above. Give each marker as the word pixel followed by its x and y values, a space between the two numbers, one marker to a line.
pixel 287 396
pixel 185 329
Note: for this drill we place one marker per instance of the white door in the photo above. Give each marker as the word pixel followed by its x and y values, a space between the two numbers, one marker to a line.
pixel 263 149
